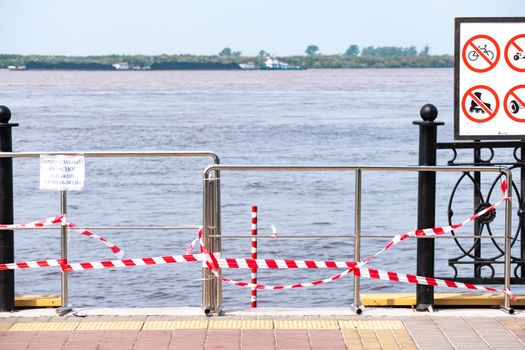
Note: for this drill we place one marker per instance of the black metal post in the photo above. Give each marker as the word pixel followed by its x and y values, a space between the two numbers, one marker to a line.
pixel 7 247
pixel 477 202
pixel 426 207
pixel 521 212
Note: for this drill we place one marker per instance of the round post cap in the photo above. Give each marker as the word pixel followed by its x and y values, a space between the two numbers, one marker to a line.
pixel 428 112
pixel 5 114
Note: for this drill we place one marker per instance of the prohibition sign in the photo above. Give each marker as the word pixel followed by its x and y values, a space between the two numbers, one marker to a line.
pixel 477 105
pixel 513 44
pixel 481 53
pixel 519 102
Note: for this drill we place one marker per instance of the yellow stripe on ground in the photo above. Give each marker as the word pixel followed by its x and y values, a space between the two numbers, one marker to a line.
pixel 44 326
pixel 371 324
pixel 240 324
pixel 176 324
pixel 110 326
pixel 305 324
pixel 440 299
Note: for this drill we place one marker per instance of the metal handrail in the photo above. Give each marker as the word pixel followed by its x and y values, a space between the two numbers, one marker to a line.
pixel 109 228
pixel 106 154
pixel 65 308
pixel 213 241
pixel 352 236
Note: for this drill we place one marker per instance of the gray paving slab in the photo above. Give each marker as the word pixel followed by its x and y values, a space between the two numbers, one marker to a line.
pixel 495 334
pixel 426 334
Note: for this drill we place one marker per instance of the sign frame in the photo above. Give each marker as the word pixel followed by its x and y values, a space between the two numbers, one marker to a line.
pixel 457 61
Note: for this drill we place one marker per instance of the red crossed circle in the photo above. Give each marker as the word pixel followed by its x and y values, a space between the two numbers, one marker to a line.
pixel 470 44
pixel 469 93
pixel 512 43
pixel 518 99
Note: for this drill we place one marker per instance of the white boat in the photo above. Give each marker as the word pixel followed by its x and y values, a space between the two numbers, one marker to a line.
pixel 248 65
pixel 121 66
pixel 274 64
pixel 16 67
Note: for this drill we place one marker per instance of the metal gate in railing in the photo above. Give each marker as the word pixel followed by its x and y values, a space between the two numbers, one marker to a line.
pixel 212 237
pixel 63 199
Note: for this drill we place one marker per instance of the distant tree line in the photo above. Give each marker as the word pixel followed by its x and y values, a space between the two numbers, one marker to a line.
pixel 353 57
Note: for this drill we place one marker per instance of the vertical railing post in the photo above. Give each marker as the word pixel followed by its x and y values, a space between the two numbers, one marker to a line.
pixel 7 246
pixel 218 240
pixel 253 275
pixel 64 292
pixel 357 306
pixel 206 273
pixel 426 207
pixel 211 285
pixel 521 212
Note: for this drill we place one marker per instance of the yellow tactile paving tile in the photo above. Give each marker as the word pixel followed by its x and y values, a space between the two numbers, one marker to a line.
pixel 44 326
pixel 110 326
pixel 240 324
pixel 305 324
pixel 372 324
pixel 175 324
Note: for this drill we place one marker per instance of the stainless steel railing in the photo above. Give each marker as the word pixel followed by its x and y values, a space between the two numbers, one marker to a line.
pixel 65 308
pixel 212 288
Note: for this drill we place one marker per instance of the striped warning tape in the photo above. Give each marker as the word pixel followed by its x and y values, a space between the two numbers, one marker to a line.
pixel 32 264
pixel 213 262
pixel 213 265
pixel 62 220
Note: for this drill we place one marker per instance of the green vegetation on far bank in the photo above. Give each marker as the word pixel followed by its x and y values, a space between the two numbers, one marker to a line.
pixel 353 57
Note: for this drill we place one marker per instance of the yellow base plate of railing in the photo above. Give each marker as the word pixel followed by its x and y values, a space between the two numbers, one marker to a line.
pixel 38 301
pixel 440 299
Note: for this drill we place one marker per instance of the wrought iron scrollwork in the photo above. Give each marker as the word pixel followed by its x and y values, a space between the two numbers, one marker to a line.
pixel 485 257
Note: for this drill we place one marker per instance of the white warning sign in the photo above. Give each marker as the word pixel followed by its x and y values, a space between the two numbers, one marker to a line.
pixel 61 172
pixel 489 74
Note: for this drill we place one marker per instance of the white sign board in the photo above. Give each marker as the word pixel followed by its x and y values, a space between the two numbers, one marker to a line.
pixel 489 78
pixel 61 173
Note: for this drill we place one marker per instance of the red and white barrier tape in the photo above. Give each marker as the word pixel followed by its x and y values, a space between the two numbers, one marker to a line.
pixel 227 263
pixel 32 264
pixel 214 263
pixel 429 281
pixel 109 264
pixel 62 220
pixel 437 231
pixel 114 248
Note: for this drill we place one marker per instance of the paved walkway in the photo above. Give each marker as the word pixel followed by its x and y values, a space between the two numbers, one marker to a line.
pixel 490 329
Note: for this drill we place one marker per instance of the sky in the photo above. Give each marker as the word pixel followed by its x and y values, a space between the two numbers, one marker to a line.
pixel 205 27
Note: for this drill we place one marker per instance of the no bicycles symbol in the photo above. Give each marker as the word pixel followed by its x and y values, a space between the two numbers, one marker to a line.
pixel 514 103
pixel 480 104
pixel 514 53
pixel 481 53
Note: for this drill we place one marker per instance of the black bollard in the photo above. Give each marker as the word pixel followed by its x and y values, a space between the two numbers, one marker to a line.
pixel 426 203
pixel 7 247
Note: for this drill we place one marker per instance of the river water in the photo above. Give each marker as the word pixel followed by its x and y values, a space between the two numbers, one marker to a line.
pixel 313 117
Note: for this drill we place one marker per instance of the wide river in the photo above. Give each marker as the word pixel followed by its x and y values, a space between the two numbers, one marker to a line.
pixel 312 117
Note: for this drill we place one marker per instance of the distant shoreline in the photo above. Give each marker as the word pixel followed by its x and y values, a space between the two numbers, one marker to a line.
pixel 191 62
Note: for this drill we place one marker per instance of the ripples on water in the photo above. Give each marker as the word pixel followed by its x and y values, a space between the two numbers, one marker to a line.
pixel 321 117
